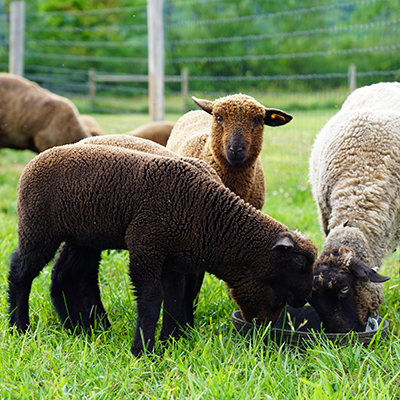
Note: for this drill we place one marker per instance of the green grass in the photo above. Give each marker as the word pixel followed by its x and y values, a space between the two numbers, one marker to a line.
pixel 214 362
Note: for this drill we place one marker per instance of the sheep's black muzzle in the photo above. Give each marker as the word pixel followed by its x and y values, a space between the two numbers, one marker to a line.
pixel 236 150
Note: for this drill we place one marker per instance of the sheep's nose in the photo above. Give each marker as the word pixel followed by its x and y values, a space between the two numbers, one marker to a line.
pixel 237 151
pixel 236 155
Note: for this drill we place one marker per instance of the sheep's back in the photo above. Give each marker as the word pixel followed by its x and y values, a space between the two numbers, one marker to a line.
pixel 383 95
pixel 147 146
pixel 156 131
pixel 86 192
pixel 130 142
pixel 355 173
pixel 190 134
pixel 91 124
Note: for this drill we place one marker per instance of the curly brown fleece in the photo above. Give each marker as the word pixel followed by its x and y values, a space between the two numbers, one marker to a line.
pixel 147 146
pixel 170 215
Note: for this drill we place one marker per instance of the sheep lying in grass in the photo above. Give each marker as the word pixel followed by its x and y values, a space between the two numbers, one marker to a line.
pixel 34 118
pixel 171 216
pixel 355 177
pixel 92 125
pixel 157 131
pixel 228 134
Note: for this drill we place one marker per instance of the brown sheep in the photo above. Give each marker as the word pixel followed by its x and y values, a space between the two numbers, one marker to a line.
pixel 158 131
pixel 228 135
pixel 147 146
pixel 192 283
pixel 92 125
pixel 172 217
pixel 33 118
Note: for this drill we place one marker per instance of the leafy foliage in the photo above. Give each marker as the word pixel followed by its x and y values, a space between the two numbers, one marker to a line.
pixel 220 39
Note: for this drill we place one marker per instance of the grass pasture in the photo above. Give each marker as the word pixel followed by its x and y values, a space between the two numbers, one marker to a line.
pixel 214 362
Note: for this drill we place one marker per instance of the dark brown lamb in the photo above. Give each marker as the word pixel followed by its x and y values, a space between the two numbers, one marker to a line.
pixel 170 215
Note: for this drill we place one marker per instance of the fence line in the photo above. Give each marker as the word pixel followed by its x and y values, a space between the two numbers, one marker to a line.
pixel 86 58
pixel 88 28
pixel 310 32
pixel 273 15
pixel 283 56
pixel 90 12
pixel 254 43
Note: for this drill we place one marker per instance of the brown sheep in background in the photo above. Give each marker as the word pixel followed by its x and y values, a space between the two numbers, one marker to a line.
pixel 92 125
pixel 228 135
pixel 171 215
pixel 33 118
pixel 158 131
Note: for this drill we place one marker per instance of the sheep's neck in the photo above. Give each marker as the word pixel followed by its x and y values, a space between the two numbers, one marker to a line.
pixel 234 249
pixel 239 179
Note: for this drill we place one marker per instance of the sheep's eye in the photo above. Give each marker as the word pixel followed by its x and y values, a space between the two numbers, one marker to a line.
pixel 299 261
pixel 344 291
pixel 219 119
pixel 256 121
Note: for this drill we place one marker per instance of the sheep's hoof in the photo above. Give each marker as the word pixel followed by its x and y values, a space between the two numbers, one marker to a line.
pixel 18 330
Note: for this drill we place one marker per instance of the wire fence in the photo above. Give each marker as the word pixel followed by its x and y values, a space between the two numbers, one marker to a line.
pixel 227 47
pixel 286 56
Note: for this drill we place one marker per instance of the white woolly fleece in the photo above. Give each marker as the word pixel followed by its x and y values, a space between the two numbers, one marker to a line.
pixel 355 168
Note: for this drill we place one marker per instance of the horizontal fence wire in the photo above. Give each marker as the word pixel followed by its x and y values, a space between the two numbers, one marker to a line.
pixel 293 58
pixel 61 46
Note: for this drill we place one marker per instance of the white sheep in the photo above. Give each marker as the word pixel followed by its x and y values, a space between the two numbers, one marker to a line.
pixel 355 178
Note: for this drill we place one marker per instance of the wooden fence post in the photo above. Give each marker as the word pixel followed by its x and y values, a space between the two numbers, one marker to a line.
pixel 155 30
pixel 17 33
pixel 185 88
pixel 92 86
pixel 352 77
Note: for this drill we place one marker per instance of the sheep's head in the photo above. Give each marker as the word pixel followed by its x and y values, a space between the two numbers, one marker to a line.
pixel 238 127
pixel 282 275
pixel 346 292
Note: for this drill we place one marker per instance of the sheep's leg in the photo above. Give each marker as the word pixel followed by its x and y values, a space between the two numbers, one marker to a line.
pixel 174 312
pixel 193 284
pixel 148 290
pixel 74 288
pixel 91 293
pixel 148 308
pixel 23 270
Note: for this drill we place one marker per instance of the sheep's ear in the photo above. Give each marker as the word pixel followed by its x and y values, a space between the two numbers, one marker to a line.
pixel 283 243
pixel 360 270
pixel 206 105
pixel 275 117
